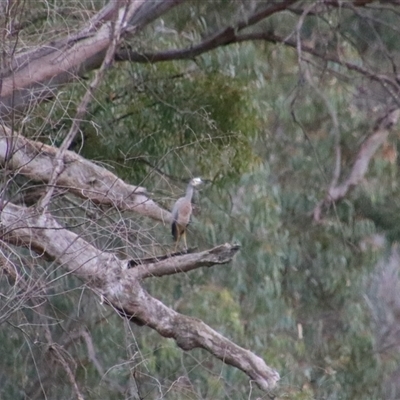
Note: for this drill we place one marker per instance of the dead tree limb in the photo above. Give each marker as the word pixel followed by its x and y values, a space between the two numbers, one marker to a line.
pixel 188 262
pixel 125 14
pixel 81 177
pixel 368 149
pixel 121 288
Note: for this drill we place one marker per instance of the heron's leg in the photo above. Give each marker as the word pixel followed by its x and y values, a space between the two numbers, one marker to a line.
pixel 184 239
pixel 177 241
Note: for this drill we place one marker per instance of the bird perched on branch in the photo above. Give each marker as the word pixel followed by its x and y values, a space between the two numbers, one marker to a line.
pixel 182 211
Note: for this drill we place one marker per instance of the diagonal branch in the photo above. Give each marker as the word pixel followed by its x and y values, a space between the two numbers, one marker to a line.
pixel 223 37
pixel 79 176
pixel 35 75
pixel 111 279
pixel 368 149
pixel 124 14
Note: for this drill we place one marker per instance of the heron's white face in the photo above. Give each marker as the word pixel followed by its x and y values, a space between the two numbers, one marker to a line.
pixel 196 182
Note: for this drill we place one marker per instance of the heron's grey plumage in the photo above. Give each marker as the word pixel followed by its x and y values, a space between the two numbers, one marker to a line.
pixel 182 211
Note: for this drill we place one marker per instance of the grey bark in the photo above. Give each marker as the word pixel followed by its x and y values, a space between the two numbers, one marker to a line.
pixel 81 177
pixel 36 74
pixel 121 287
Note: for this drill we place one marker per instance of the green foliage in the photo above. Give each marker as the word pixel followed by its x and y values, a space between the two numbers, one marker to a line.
pixel 208 118
pixel 219 307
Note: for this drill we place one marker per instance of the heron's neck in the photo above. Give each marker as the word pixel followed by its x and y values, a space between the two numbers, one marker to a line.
pixel 189 193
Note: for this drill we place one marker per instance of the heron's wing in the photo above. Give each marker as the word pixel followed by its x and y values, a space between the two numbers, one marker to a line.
pixel 184 213
pixel 181 212
pixel 175 216
pixel 175 209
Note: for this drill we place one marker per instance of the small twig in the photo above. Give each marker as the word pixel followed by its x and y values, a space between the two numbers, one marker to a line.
pixel 54 349
pixel 299 26
pixel 8 266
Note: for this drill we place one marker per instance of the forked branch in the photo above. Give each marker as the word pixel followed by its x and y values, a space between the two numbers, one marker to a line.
pixel 121 287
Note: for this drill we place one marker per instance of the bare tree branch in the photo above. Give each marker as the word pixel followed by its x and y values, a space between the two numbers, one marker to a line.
pixel 360 167
pixel 224 37
pixel 121 288
pixel 38 301
pixel 32 290
pixel 80 176
pixel 174 265
pixel 227 37
pixel 34 75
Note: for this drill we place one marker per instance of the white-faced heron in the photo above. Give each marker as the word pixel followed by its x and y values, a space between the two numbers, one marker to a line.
pixel 182 211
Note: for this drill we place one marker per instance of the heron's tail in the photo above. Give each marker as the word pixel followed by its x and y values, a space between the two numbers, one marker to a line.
pixel 174 230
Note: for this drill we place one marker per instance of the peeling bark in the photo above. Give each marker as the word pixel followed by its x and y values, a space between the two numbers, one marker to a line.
pixel 81 177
